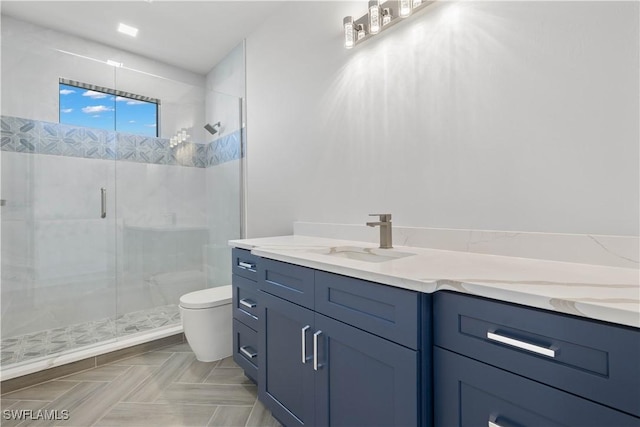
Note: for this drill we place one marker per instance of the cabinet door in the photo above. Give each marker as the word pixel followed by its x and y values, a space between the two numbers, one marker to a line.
pixel 471 393
pixel 364 380
pixel 285 383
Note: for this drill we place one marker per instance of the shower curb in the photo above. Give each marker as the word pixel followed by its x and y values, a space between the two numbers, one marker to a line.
pixel 57 372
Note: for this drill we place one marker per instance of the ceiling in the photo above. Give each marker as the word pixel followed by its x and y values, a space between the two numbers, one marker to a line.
pixel 193 35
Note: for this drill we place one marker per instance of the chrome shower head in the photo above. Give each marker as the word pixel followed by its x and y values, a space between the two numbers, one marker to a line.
pixel 212 129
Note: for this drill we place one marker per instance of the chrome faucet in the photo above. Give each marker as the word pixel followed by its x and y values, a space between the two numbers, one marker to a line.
pixel 385 229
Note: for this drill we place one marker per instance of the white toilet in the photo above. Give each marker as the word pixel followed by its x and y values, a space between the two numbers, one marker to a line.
pixel 206 321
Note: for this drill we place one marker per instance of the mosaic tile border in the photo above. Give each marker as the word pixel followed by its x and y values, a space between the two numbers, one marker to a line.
pixel 53 341
pixel 21 135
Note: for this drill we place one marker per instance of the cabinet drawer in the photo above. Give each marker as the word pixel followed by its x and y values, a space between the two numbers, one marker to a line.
pixel 588 358
pixel 244 263
pixel 287 281
pixel 389 312
pixel 245 301
pixel 245 349
pixel 471 393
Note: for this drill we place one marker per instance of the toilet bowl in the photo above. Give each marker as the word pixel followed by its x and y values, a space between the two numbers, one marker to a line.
pixel 206 322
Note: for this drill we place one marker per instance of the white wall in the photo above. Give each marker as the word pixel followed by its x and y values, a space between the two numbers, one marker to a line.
pixel 476 115
pixel 32 64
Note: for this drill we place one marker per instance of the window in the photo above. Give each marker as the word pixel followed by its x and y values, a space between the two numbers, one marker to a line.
pixel 98 107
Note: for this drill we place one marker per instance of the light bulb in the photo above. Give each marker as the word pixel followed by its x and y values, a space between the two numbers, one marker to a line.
pixel 405 8
pixel 348 32
pixel 374 17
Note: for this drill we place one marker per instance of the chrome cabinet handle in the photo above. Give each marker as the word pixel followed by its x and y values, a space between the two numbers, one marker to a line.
pixel 521 344
pixel 248 303
pixel 316 365
pixel 246 265
pixel 103 202
pixel 304 343
pixel 249 354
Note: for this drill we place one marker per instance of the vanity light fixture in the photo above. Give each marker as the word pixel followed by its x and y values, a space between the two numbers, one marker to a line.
pixel 128 30
pixel 405 8
pixel 380 15
pixel 374 16
pixel 349 39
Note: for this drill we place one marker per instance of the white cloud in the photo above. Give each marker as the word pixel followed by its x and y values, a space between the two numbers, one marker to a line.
pixel 151 125
pixel 96 116
pixel 94 95
pixel 132 121
pixel 96 109
pixel 66 110
pixel 66 91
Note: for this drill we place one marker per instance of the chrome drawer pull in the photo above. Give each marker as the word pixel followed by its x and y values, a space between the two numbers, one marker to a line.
pixel 304 343
pixel 248 303
pixel 492 424
pixel 315 351
pixel 249 354
pixel 246 265
pixel 521 344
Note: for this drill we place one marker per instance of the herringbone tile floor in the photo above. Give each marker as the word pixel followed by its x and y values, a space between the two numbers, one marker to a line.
pixel 166 387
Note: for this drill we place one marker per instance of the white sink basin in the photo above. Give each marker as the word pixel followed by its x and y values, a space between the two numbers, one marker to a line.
pixel 363 254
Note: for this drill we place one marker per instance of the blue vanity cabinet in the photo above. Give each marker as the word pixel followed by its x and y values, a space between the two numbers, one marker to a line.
pixel 287 281
pixel 322 366
pixel 246 306
pixel 471 393
pixel 286 377
pixel 362 379
pixel 501 364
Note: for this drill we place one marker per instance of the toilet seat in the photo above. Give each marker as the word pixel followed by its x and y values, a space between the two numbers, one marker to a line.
pixel 206 298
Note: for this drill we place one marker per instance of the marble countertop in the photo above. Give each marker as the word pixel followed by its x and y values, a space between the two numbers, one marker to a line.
pixel 610 294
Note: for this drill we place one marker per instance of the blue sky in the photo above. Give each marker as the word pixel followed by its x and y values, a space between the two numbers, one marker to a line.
pixel 83 107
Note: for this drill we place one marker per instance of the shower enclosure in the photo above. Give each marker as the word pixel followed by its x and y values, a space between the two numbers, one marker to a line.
pixel 102 231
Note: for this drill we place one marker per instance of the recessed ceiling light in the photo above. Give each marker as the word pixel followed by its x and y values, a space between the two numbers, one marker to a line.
pixel 114 63
pixel 126 29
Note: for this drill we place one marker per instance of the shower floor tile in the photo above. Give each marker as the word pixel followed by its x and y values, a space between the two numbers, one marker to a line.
pixel 39 344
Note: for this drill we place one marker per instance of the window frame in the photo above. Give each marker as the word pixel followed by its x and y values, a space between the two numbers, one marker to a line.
pixel 109 91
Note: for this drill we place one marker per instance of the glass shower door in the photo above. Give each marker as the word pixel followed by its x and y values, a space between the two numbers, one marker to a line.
pixel 57 219
pixel 58 250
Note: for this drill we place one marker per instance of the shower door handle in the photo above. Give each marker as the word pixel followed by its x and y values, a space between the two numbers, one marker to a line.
pixel 103 202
